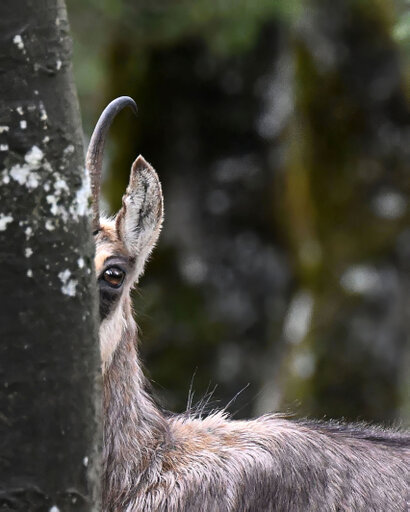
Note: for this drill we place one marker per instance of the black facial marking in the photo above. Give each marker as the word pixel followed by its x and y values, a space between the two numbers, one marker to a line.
pixel 108 298
pixel 109 295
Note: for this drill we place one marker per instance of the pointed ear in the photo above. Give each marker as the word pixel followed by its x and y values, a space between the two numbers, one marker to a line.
pixel 139 221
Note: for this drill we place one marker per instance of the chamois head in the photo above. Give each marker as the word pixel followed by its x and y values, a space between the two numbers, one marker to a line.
pixel 124 242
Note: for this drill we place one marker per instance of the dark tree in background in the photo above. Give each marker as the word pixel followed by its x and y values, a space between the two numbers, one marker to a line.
pixel 48 347
pixel 347 195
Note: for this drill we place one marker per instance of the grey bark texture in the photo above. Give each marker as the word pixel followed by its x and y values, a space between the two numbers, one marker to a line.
pixel 49 363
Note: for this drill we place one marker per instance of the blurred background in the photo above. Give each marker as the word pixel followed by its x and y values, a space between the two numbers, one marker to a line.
pixel 281 134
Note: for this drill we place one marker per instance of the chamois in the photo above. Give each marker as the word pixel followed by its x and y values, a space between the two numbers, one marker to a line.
pixel 154 461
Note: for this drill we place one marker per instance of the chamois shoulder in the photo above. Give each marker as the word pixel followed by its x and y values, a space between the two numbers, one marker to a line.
pixel 392 437
pixel 274 428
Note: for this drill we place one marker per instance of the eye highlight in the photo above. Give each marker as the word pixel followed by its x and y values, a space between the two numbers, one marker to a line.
pixel 114 276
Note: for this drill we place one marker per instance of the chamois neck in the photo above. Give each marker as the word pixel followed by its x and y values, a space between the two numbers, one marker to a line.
pixel 134 427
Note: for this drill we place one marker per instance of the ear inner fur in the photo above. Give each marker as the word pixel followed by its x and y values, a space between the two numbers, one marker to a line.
pixel 138 223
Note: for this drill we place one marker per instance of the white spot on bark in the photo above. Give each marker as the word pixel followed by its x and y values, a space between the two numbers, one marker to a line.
pixel 4 220
pixel 60 185
pixel 23 124
pixel 55 209
pixel 4 147
pixel 28 231
pixel 69 288
pixel 36 92
pixel 85 461
pixel 18 41
pixel 34 156
pixel 65 275
pixel 69 285
pixel 57 22
pixel 4 129
pixel 69 150
pixel 43 112
pixel 29 273
pixel 81 262
pixel 82 196
pixel 46 139
pixel 58 65
pixel 28 252
pixel 54 508
pixel 49 225
pixel 20 110
pixel 25 176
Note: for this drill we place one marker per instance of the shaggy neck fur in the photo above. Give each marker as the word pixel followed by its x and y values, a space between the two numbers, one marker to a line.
pixel 183 464
pixel 134 428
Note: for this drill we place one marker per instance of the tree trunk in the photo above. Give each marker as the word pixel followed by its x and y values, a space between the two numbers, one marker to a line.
pixel 347 219
pixel 48 345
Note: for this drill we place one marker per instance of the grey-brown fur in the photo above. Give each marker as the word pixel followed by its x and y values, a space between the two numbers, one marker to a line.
pixel 156 462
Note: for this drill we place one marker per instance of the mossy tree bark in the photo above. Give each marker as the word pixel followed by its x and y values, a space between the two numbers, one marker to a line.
pixel 48 349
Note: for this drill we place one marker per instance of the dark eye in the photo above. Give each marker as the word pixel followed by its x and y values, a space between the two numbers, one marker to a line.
pixel 114 276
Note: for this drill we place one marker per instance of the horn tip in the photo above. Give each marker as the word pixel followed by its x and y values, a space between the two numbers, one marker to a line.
pixel 128 101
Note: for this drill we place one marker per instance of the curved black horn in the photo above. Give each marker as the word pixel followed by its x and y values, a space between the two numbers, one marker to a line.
pixel 95 150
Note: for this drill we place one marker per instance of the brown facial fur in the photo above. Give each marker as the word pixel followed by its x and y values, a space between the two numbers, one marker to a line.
pixel 129 236
pixel 107 244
